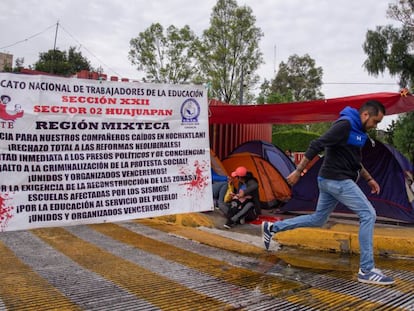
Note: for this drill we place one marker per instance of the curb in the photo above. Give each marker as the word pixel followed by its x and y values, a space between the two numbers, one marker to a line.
pixel 389 241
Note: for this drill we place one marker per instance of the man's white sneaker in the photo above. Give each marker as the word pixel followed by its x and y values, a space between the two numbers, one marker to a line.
pixel 375 276
pixel 267 233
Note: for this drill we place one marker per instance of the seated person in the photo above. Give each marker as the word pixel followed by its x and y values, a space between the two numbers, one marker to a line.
pixel 240 196
pixel 245 204
pixel 220 184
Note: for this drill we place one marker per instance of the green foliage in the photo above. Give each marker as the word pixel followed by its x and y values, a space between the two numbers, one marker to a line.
pixel 266 95
pixel 389 135
pixel 319 128
pixel 315 128
pixel 264 92
pixel 7 68
pixel 19 64
pixel 165 58
pixel 390 48
pixel 228 52
pixel 298 79
pixel 403 137
pixel 296 140
pixel 62 63
pixel 224 58
pixel 77 62
pixel 53 61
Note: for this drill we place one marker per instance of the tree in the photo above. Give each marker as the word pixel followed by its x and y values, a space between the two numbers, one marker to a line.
pixel 228 52
pixel 403 12
pixel 19 64
pixel 403 135
pixel 266 95
pixel 165 58
pixel 390 48
pixel 61 62
pixel 298 79
pixel 77 62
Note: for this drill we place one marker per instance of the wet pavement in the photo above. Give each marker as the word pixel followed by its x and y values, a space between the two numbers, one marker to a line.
pixel 173 263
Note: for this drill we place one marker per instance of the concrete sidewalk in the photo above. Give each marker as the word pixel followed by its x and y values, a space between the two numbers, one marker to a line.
pixel 339 235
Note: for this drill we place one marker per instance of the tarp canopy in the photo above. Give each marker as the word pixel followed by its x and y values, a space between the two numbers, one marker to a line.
pixel 324 110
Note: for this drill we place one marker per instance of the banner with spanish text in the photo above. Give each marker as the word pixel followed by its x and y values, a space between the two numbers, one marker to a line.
pixel 76 151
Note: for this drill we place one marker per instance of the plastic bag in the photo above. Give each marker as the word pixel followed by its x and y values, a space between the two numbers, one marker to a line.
pixel 228 196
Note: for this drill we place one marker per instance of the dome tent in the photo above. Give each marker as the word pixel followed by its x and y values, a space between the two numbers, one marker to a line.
pixel 388 167
pixel 273 188
pixel 269 152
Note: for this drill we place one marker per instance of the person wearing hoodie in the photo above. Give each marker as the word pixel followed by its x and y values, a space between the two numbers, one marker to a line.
pixel 219 185
pixel 337 182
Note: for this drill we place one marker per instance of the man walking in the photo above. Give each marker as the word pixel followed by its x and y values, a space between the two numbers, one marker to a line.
pixel 337 179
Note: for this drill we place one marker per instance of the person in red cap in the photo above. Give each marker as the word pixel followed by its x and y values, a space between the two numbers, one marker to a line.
pixel 245 204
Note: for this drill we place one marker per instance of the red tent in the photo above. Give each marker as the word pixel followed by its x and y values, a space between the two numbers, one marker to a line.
pixel 305 112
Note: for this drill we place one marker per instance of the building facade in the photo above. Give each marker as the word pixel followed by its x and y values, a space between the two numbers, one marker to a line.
pixel 6 61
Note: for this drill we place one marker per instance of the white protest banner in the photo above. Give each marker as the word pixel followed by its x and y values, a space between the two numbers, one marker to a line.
pixel 78 151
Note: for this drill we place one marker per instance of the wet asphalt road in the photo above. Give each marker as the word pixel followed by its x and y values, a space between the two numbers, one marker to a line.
pixel 152 265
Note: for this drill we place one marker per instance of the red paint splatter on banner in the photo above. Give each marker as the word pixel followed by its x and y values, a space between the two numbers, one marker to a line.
pixel 196 185
pixel 5 210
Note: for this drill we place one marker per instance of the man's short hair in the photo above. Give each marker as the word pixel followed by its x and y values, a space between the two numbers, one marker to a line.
pixel 373 107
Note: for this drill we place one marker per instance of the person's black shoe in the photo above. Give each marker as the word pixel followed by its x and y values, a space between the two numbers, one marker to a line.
pixel 229 224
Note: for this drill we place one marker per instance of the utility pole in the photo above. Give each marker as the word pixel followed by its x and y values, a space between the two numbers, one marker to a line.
pixel 54 48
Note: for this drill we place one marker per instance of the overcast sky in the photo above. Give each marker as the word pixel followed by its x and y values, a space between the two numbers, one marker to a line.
pixel 331 32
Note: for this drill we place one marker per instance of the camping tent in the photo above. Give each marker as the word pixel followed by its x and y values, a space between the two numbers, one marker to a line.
pixel 216 165
pixel 386 165
pixel 273 188
pixel 269 152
